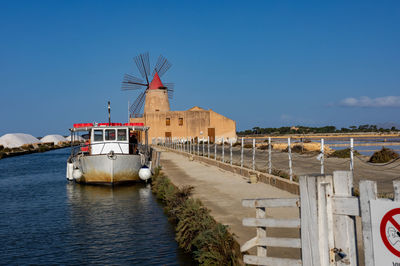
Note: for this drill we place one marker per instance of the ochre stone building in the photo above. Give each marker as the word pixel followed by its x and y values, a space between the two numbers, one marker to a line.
pixel 196 122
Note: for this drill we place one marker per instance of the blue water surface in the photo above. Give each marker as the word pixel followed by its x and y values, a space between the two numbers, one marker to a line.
pixel 46 220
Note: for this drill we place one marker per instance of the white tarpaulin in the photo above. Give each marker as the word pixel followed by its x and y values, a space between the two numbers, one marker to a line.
pixel 14 140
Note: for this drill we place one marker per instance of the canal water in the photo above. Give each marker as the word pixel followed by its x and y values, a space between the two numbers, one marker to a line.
pixel 46 220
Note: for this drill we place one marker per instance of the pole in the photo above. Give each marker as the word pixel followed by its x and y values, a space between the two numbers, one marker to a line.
pixel 215 150
pixel 198 146
pixel 109 113
pixel 203 145
pixel 230 150
pixel 241 154
pixel 269 156
pixel 254 154
pixel 208 147
pixel 223 150
pixel 290 160
pixel 128 112
pixel 322 156
pixel 352 155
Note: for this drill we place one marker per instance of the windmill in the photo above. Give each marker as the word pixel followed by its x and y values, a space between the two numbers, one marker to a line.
pixel 131 82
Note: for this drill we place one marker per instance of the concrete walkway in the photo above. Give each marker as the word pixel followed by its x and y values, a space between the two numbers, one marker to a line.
pixel 222 193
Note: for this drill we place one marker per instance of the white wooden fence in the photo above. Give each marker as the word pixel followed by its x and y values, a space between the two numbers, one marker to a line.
pixel 327 222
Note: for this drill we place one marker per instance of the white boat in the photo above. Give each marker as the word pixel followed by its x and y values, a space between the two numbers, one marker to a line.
pixel 113 153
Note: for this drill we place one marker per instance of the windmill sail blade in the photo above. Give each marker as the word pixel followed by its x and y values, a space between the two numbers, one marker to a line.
pixel 162 66
pixel 137 109
pixel 132 83
pixel 136 102
pixel 170 89
pixel 143 64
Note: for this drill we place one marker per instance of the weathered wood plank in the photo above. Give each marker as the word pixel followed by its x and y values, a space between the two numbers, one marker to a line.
pixel 325 220
pixel 270 222
pixel 271 203
pixel 344 226
pixel 249 244
pixel 271 242
pixel 396 189
pixel 261 232
pixel 368 191
pixel 249 259
pixel 346 206
pixel 308 214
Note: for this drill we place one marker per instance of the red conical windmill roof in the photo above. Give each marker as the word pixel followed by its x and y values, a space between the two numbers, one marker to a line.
pixel 156 82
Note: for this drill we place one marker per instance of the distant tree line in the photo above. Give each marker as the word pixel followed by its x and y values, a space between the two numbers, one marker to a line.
pixel 308 130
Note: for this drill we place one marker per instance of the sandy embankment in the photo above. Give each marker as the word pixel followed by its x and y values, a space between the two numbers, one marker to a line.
pixel 310 146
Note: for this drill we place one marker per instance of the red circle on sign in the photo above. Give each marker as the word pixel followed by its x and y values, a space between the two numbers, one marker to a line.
pixel 389 218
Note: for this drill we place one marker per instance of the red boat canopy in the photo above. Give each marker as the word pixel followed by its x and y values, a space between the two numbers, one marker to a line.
pixel 110 124
pixel 134 124
pixel 83 125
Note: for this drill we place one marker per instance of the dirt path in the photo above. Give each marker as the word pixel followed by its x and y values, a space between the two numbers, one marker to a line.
pixel 222 193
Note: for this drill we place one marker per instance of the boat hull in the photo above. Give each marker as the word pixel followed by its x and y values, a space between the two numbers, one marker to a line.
pixel 101 169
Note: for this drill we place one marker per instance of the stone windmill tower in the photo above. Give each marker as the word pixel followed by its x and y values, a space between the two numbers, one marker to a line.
pixel 155 95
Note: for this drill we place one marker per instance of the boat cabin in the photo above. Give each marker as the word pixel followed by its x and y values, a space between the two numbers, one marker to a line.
pixel 118 138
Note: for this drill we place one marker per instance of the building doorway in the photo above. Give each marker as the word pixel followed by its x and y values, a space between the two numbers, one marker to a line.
pixel 211 134
pixel 168 135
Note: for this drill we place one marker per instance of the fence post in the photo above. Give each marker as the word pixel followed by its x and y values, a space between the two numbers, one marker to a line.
pixel 290 160
pixel 208 147
pixel 322 157
pixel 241 154
pixel 203 145
pixel 230 150
pixel 309 222
pixel 396 189
pixel 368 191
pixel 198 146
pixel 352 155
pixel 215 149
pixel 261 232
pixel 325 220
pixel 269 156
pixel 223 150
pixel 344 225
pixel 254 154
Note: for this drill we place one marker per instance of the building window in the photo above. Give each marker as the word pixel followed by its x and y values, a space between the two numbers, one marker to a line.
pixel 181 121
pixel 168 121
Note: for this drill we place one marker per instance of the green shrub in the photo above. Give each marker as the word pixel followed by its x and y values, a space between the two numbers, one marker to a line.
pixel 214 247
pixel 192 219
pixel 248 146
pixel 344 153
pixel 194 224
pixel 264 147
pixel 297 148
pixel 43 148
pixel 383 156
pixel 236 144
pixel 1 147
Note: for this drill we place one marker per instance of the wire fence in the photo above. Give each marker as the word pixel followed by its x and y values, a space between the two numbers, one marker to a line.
pixel 289 164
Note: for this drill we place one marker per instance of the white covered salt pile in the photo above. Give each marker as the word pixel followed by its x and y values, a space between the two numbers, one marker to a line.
pixel 14 140
pixel 56 139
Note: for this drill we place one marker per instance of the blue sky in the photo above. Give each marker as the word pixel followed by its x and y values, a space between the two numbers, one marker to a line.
pixel 261 63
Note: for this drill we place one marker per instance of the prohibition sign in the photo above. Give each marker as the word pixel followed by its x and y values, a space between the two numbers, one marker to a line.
pixel 389 218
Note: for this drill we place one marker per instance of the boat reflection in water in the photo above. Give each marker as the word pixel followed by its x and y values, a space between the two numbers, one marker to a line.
pixel 120 224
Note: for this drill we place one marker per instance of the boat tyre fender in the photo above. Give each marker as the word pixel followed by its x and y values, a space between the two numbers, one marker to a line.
pixel 111 155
